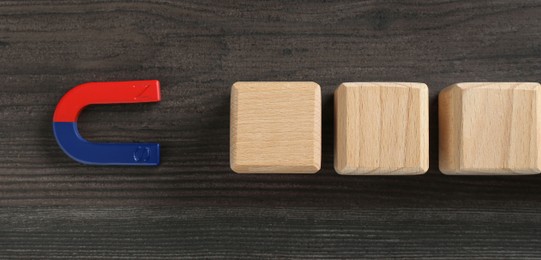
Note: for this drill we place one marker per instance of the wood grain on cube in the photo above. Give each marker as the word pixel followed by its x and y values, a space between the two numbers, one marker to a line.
pixel 275 127
pixel 381 128
pixel 490 128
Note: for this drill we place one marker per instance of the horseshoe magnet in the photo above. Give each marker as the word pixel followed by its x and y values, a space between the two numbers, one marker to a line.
pixel 122 92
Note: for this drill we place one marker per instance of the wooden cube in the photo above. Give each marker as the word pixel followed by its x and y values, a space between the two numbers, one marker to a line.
pixel 490 128
pixel 275 127
pixel 381 128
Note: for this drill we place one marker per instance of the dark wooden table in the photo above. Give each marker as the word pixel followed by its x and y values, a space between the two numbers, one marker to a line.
pixel 193 205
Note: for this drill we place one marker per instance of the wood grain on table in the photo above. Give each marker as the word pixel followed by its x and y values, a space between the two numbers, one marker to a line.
pixel 193 205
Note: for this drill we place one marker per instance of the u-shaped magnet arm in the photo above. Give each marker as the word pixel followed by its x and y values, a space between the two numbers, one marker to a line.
pixel 122 92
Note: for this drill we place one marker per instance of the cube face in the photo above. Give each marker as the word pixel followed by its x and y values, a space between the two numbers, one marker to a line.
pixel 490 128
pixel 275 127
pixel 381 128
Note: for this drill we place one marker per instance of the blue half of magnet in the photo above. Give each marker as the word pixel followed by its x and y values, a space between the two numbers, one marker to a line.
pixel 68 138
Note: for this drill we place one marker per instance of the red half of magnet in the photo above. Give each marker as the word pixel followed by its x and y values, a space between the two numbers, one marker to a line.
pixel 120 92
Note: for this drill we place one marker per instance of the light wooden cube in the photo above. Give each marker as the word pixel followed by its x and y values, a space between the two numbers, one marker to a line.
pixel 490 128
pixel 275 127
pixel 381 128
